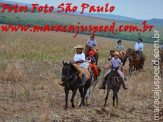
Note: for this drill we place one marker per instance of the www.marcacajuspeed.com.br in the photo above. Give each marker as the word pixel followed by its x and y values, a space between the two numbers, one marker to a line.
pixel 78 28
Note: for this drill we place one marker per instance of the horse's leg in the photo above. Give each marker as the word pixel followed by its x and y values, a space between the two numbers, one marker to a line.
pixel 81 95
pixel 107 95
pixel 93 87
pixel 66 98
pixel 96 57
pixel 116 95
pixel 85 91
pixel 72 99
pixel 114 92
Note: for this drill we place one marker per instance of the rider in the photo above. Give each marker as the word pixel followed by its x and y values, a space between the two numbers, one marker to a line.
pixel 78 62
pixel 92 63
pixel 139 47
pixel 119 47
pixel 91 42
pixel 115 62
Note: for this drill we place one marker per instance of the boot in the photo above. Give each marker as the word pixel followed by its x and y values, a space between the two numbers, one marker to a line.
pixel 102 86
pixel 61 83
pixel 124 86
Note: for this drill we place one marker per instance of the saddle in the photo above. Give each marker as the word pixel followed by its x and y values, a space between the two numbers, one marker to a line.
pixel 81 72
pixel 117 76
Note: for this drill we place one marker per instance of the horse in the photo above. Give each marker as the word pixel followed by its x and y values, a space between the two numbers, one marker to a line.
pixel 70 77
pixel 111 55
pixel 87 49
pixel 113 82
pixel 135 63
pixel 94 82
pixel 127 55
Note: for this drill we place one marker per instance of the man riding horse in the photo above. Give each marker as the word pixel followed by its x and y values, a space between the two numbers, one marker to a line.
pixel 139 46
pixel 91 46
pixel 115 62
pixel 78 62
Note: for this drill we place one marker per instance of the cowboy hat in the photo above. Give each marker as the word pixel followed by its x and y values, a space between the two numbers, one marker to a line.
pixel 78 47
pixel 140 39
pixel 116 53
pixel 91 53
pixel 119 41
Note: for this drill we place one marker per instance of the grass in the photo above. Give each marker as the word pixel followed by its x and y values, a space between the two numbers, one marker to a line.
pixel 31 67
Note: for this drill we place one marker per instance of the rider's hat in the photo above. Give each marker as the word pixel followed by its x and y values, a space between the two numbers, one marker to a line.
pixel 78 47
pixel 140 39
pixel 119 41
pixel 116 53
pixel 91 53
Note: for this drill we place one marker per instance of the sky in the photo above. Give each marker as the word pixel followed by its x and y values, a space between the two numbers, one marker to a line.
pixel 138 9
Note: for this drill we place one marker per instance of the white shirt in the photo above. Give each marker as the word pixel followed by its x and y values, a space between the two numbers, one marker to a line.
pixel 79 57
pixel 139 45
pixel 119 47
pixel 116 62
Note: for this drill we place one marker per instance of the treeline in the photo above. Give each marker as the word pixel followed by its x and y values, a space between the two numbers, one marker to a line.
pixel 14 20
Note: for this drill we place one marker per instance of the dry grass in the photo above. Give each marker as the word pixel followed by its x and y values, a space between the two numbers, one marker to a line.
pixel 13 73
pixel 31 66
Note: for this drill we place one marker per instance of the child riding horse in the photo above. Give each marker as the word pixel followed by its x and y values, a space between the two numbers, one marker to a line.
pixel 115 62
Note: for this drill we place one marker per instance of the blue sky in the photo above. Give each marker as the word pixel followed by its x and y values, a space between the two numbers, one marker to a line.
pixel 139 9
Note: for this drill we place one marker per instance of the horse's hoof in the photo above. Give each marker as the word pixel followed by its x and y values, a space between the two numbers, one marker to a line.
pixel 65 108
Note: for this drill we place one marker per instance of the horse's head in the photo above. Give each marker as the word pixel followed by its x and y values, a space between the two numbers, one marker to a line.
pixel 129 52
pixel 113 71
pixel 69 72
pixel 111 52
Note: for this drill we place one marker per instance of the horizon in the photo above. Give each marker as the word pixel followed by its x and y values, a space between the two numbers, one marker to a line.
pixel 129 11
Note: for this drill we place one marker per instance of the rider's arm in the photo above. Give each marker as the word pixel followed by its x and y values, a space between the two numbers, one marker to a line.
pixel 95 43
pixel 81 61
pixel 122 66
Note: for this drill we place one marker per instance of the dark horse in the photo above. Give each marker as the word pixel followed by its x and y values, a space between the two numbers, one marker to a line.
pixel 87 49
pixel 72 82
pixel 113 82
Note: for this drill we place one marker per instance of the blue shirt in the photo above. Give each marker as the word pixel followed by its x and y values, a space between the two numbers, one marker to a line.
pixel 119 47
pixel 91 42
pixel 116 62
pixel 139 45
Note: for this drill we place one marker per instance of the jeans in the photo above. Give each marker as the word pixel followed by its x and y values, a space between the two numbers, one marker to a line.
pixel 119 72
pixel 83 79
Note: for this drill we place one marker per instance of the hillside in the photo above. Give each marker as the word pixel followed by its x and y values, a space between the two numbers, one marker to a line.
pixel 62 18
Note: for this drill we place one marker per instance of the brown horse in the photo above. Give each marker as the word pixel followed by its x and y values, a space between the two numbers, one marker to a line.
pixel 87 49
pixel 135 63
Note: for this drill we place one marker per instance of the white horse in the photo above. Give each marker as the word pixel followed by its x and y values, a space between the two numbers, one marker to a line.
pixel 90 91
